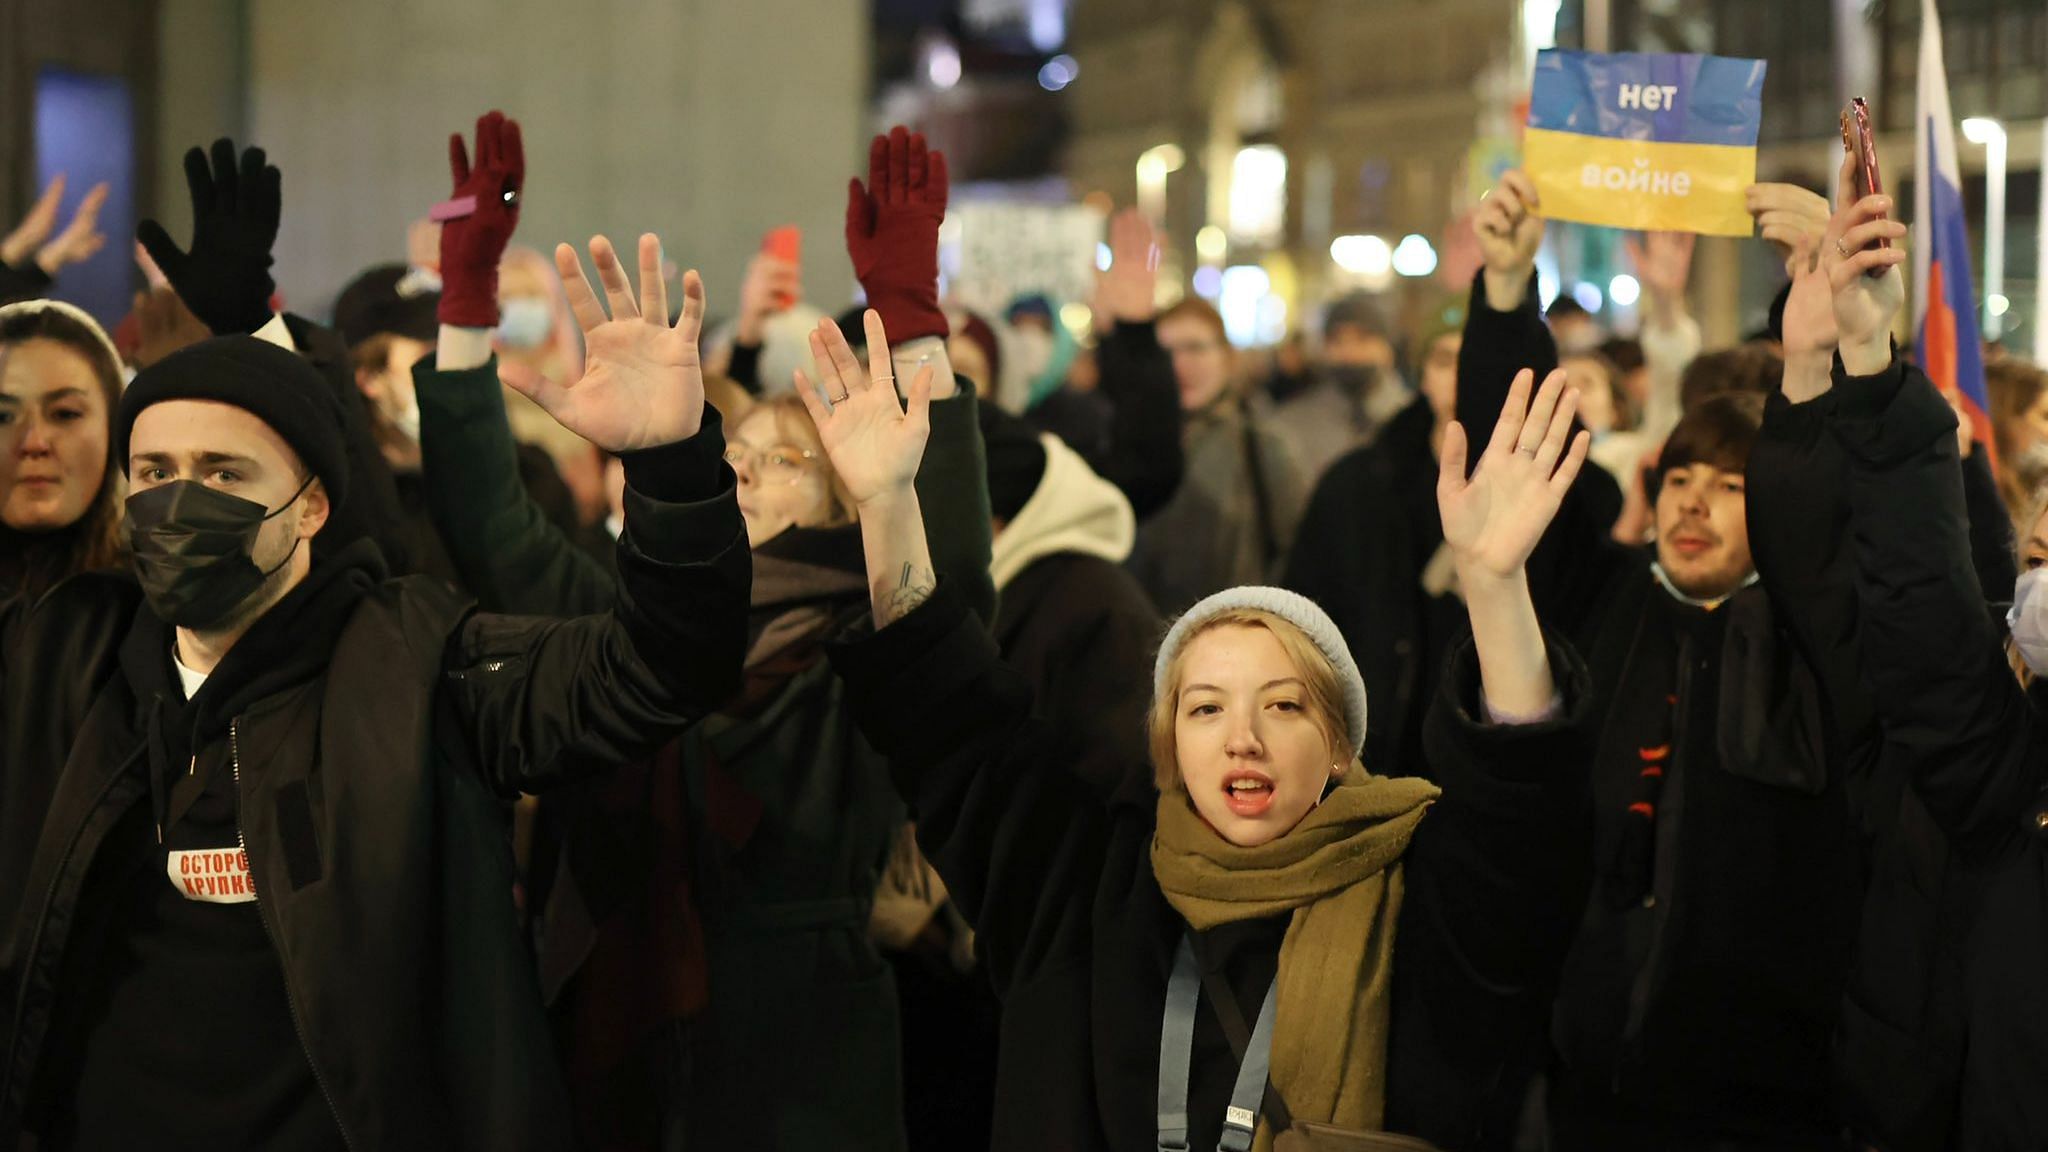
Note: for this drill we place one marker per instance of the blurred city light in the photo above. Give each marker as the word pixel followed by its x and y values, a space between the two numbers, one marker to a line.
pixel 1587 295
pixel 1208 282
pixel 1058 72
pixel 1258 193
pixel 1363 255
pixel 1624 291
pixel 1413 256
pixel 1245 286
pixel 1211 244
pixel 942 64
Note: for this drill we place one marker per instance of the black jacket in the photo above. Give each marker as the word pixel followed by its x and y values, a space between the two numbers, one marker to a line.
pixel 1129 430
pixel 1969 739
pixel 1078 938
pixel 369 798
pixel 1705 1003
pixel 1370 530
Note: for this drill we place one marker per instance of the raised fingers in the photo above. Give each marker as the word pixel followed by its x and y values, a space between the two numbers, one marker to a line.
pixel 1509 426
pixel 618 290
pixel 582 301
pixel 1559 431
pixel 653 285
pixel 1536 429
pixel 692 323
pixel 879 368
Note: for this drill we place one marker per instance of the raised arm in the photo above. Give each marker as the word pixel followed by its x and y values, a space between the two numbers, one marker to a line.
pixel 1145 457
pixel 892 236
pixel 546 699
pixel 510 555
pixel 1497 873
pixel 1954 713
pixel 31 257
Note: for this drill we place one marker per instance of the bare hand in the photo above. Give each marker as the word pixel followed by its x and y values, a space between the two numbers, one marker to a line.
pixel 875 445
pixel 1790 219
pixel 423 244
pixel 1663 264
pixel 28 236
pixel 165 325
pixel 1510 232
pixel 1865 304
pixel 642 384
pixel 80 240
pixel 1126 293
pixel 1493 521
pixel 772 285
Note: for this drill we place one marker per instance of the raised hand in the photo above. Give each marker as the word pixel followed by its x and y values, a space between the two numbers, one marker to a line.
pixel 164 325
pixel 1789 218
pixel 875 445
pixel 1868 290
pixel 80 240
pixel 472 244
pixel 892 232
pixel 1510 232
pixel 772 285
pixel 1493 521
pixel 1127 292
pixel 1663 264
pixel 225 277
pixel 1809 322
pixel 21 245
pixel 642 384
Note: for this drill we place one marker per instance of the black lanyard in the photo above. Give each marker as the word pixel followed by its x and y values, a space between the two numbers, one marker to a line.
pixel 1177 1054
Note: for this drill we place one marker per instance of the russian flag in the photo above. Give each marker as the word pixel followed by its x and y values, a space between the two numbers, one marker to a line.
pixel 1944 302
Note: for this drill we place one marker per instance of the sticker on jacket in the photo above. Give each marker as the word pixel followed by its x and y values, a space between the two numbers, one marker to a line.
pixel 212 875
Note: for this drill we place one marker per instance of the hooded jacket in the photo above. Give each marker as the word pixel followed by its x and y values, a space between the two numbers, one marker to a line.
pixel 368 789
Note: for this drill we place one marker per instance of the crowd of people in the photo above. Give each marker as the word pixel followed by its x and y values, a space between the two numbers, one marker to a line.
pixel 522 713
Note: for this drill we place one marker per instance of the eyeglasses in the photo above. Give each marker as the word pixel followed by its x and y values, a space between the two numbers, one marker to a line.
pixel 778 464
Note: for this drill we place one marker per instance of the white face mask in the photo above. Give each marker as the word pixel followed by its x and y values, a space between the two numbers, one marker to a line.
pixel 524 322
pixel 2028 619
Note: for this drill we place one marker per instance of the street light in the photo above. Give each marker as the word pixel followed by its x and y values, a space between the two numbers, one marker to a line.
pixel 1991 134
pixel 1154 165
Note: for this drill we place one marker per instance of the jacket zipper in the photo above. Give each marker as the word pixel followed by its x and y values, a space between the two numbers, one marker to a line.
pixel 1639 991
pixel 35 940
pixel 291 1000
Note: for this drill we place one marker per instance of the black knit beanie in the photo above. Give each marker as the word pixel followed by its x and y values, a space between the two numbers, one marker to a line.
pixel 1016 461
pixel 274 384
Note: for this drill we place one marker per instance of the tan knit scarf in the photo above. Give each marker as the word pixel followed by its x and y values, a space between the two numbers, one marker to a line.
pixel 1339 872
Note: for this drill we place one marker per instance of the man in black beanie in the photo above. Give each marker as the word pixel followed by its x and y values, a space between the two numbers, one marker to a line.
pixel 255 889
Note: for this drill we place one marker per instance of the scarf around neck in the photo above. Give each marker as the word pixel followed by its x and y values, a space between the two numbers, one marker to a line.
pixel 1339 873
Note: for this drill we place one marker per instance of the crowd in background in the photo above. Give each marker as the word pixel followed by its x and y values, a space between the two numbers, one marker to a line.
pixel 517 712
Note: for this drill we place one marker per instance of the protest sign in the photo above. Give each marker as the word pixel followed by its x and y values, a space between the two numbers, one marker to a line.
pixel 1645 141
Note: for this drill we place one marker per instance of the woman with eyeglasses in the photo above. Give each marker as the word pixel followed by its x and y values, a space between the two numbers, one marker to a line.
pixel 704 936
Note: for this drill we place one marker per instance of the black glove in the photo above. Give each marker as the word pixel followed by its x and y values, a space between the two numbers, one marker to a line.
pixel 225 278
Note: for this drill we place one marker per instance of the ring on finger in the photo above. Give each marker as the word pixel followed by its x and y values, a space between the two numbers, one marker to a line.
pixel 1526 450
pixel 1838 248
pixel 839 399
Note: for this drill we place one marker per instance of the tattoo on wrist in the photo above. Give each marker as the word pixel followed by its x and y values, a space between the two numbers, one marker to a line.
pixel 912 587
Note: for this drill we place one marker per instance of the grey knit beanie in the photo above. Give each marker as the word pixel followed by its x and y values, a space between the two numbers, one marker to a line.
pixel 1292 607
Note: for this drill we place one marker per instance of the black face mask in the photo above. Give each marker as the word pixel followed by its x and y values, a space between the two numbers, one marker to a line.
pixel 194 550
pixel 1356 379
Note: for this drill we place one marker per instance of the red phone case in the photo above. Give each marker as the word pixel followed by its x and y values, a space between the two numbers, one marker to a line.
pixel 1856 139
pixel 785 243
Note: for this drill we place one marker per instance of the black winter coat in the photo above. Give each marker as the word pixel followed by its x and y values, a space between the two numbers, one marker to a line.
pixel 1972 743
pixel 1079 940
pixel 1704 1005
pixel 1371 529
pixel 369 797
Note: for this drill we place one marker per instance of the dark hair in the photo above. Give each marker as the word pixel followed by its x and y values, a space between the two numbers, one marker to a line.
pixel 1626 354
pixel 1563 307
pixel 1719 433
pixel 1747 368
pixel 1356 311
pixel 1196 308
pixel 97 543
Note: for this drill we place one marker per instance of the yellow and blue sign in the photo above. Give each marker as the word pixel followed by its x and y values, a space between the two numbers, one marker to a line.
pixel 1646 141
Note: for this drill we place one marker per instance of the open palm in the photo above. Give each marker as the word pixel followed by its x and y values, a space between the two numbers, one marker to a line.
pixel 642 383
pixel 875 445
pixel 1493 520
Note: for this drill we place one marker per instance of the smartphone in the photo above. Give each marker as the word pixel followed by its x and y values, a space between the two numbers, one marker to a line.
pixel 1856 141
pixel 785 243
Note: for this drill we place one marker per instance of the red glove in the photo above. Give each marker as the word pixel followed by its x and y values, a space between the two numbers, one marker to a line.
pixel 472 245
pixel 892 233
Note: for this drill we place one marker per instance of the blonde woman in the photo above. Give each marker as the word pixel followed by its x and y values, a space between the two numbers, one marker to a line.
pixel 1278 949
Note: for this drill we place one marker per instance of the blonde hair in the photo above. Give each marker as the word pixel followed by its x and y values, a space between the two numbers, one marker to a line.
pixel 793 423
pixel 1324 690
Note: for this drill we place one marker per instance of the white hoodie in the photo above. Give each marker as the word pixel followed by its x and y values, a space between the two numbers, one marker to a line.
pixel 1071 510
